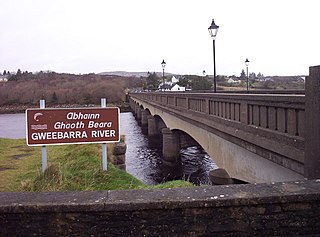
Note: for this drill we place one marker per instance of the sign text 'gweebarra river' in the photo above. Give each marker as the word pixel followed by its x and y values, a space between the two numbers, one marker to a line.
pixel 65 126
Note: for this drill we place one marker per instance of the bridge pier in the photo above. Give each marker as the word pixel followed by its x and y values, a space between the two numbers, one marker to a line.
pixel 134 108
pixel 152 127
pixel 171 147
pixel 154 137
pixel 138 115
pixel 144 121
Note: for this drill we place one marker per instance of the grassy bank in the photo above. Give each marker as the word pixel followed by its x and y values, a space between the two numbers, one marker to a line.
pixel 70 168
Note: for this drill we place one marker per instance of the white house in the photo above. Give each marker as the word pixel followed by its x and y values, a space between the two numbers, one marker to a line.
pixel 3 78
pixel 171 85
pixel 176 87
pixel 174 80
pixel 233 81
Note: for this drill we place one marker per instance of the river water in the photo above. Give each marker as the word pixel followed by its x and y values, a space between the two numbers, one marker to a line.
pixel 143 160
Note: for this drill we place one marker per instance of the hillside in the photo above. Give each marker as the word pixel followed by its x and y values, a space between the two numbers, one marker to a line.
pixel 62 88
pixel 132 74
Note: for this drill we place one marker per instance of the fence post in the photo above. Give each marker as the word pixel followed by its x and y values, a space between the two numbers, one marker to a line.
pixel 312 135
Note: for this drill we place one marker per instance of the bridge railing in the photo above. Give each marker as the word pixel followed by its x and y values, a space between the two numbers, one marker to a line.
pixel 278 113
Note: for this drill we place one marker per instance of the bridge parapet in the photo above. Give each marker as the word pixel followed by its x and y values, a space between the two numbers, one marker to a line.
pixel 282 113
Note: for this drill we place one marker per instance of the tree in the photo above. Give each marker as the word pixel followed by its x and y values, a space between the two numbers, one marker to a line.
pixel 15 77
pixel 184 81
pixel 152 81
pixel 260 75
pixel 19 72
pixel 197 82
pixel 54 98
pixel 243 75
pixel 4 72
pixel 12 77
pixel 201 83
pixel 252 75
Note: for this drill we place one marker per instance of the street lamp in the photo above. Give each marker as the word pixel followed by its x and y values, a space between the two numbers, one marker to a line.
pixel 213 30
pixel 163 64
pixel 247 65
pixel 204 73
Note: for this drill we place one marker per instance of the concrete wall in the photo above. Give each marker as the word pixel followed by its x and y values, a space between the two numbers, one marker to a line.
pixel 280 209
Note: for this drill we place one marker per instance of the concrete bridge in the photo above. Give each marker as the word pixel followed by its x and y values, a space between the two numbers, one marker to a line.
pixel 254 137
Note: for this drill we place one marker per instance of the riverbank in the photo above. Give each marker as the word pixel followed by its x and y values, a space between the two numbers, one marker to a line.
pixel 70 168
pixel 13 109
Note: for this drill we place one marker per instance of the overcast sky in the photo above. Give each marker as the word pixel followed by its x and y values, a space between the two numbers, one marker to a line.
pixel 279 37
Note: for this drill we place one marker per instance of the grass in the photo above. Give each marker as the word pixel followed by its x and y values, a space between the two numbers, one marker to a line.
pixel 70 168
pixel 16 158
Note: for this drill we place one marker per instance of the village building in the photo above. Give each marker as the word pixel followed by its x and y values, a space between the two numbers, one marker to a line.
pixel 3 78
pixel 172 85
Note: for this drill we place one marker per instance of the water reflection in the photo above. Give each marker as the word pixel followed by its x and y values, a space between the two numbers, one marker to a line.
pixel 142 161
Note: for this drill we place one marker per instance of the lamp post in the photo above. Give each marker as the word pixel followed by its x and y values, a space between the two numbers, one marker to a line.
pixel 204 73
pixel 163 64
pixel 247 65
pixel 213 30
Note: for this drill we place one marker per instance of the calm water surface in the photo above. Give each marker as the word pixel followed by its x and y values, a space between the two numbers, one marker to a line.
pixel 12 126
pixel 143 160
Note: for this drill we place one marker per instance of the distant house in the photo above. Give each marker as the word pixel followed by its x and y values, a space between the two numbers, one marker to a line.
pixel 3 78
pixel 174 79
pixel 170 87
pixel 165 87
pixel 176 87
pixel 268 79
pixel 231 81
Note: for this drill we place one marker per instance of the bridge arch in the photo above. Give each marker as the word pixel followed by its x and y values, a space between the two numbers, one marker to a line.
pixel 160 123
pixel 185 139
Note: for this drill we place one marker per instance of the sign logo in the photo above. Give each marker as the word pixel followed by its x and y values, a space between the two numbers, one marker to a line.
pixel 72 126
pixel 35 117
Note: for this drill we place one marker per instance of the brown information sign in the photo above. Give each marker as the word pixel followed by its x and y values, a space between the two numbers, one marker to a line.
pixel 67 126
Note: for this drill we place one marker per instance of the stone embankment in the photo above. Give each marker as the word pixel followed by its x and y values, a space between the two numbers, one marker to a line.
pixel 13 109
pixel 118 157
